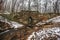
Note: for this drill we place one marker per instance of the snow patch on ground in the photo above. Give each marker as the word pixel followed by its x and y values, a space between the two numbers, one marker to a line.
pixel 5 12
pixel 39 35
pixel 53 20
pixel 16 24
pixel 11 23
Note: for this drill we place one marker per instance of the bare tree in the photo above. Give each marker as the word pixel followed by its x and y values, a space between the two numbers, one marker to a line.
pixel 1 4
pixel 56 9
pixel 45 5
pixel 36 4
pixel 39 5
pixel 22 4
pixel 17 5
pixel 13 4
pixel 29 5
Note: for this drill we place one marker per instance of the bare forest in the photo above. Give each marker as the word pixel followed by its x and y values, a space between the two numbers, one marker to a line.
pixel 29 19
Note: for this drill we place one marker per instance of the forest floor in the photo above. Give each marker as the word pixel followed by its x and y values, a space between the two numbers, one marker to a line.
pixel 24 32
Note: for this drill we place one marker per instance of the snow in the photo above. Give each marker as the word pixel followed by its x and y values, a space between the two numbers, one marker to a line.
pixel 11 23
pixel 45 33
pixel 53 20
pixel 16 24
pixel 6 12
pixel 57 20
pixel 4 32
pixel 31 36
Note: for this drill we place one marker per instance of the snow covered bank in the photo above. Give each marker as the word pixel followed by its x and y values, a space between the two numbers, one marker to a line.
pixel 53 20
pixel 5 12
pixel 16 24
pixel 45 33
pixel 11 23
